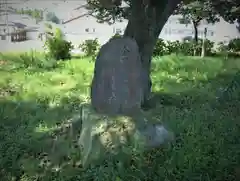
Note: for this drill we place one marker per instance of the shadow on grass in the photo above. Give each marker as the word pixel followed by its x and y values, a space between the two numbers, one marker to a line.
pixel 30 132
pixel 38 140
pixel 206 115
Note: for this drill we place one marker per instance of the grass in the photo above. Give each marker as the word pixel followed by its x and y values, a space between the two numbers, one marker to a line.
pixel 39 98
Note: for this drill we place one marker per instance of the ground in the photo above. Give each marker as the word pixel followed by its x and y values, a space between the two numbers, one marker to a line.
pixel 39 113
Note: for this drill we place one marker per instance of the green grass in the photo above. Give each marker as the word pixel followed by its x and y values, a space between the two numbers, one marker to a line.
pixel 39 97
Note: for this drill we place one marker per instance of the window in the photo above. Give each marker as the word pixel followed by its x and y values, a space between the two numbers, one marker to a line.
pixel 181 31
pixel 88 30
pixel 118 30
pixel 3 37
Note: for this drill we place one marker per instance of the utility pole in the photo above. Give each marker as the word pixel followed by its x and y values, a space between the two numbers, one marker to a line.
pixel 1 9
pixel 6 17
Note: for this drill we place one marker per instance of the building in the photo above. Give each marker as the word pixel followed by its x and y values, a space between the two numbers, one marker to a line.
pixel 78 26
pixel 18 32
pixel 87 27
pixel 15 27
pixel 218 32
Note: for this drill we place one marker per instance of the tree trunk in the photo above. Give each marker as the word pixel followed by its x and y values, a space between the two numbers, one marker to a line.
pixel 238 25
pixel 195 26
pixel 145 24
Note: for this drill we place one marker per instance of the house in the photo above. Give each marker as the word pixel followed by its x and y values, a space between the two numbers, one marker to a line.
pixel 80 28
pixel 218 32
pixel 78 25
pixel 15 27
pixel 12 31
pixel 18 32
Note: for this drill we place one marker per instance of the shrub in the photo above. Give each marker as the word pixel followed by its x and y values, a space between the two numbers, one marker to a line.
pixel 184 48
pixel 35 13
pixel 160 48
pixel 117 35
pixel 208 46
pixel 31 59
pixel 174 47
pixel 57 47
pixel 50 16
pixel 234 45
pixel 187 48
pixel 222 47
pixel 227 51
pixel 90 47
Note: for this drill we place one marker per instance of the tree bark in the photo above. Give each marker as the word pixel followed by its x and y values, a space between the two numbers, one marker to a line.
pixel 145 24
pixel 195 27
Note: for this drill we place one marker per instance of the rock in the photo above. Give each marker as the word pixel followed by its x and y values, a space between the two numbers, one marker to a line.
pixel 117 86
pixel 103 136
pixel 156 135
pixel 114 122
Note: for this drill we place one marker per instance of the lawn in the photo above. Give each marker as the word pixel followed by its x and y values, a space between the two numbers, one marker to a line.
pixel 40 103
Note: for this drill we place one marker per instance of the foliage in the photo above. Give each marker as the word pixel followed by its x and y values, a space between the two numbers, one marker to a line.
pixel 90 47
pixel 234 45
pixel 222 47
pixel 116 35
pixel 196 11
pixel 160 48
pixel 39 122
pixel 51 16
pixel 35 13
pixel 111 11
pixel 228 50
pixel 103 13
pixel 57 47
pixel 184 48
pixel 229 10
pixel 31 60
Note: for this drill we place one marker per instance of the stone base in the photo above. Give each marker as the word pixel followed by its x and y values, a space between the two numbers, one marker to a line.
pixel 104 135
